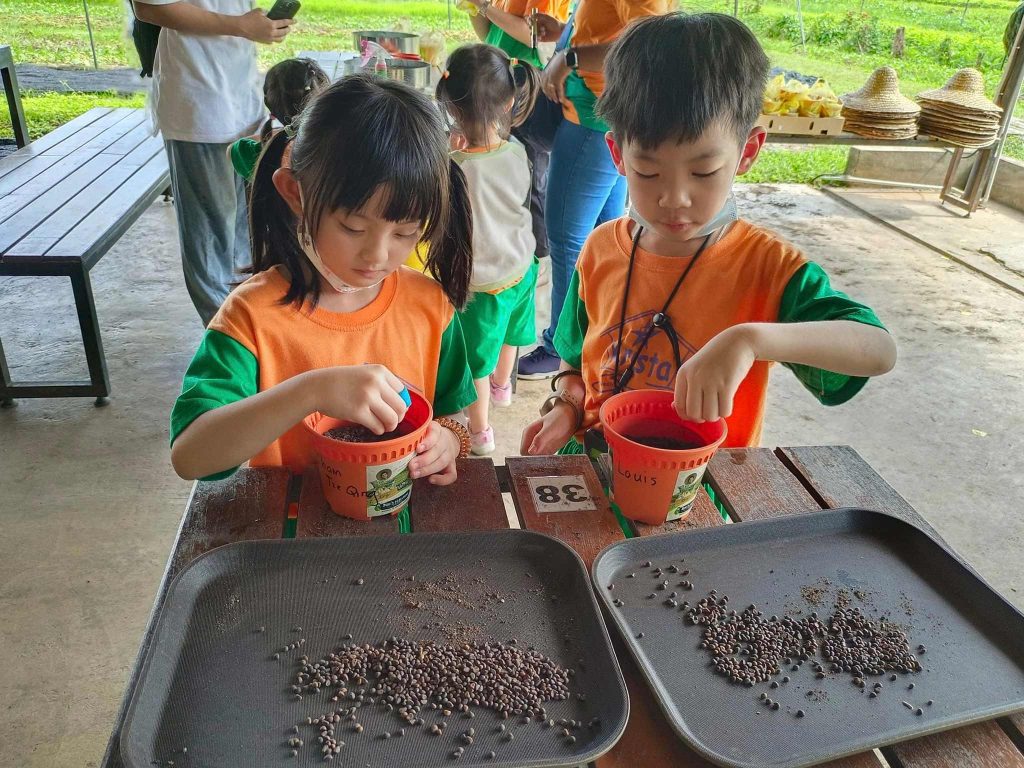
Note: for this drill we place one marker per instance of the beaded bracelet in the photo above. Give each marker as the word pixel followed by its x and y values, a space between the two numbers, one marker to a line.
pixel 460 432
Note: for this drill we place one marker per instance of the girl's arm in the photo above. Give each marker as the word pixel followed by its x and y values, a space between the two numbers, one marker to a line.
pixel 707 382
pixel 232 434
pixel 516 26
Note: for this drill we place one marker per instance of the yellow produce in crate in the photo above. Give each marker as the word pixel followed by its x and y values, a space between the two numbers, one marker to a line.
pixel 793 97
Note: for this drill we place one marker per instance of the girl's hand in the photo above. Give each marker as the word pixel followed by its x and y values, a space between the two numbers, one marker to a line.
pixel 552 79
pixel 550 432
pixel 549 29
pixel 364 394
pixel 706 383
pixel 436 455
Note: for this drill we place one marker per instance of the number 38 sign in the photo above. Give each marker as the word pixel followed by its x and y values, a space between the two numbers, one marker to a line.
pixel 560 493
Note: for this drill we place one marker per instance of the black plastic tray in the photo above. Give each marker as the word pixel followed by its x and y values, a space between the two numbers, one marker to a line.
pixel 209 683
pixel 973 664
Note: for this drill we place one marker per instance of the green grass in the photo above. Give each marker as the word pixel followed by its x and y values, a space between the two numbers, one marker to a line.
pixel 844 49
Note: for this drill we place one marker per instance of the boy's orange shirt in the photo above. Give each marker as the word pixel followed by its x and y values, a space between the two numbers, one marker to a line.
pixel 739 279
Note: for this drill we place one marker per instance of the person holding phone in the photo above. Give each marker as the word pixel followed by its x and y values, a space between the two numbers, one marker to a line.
pixel 206 94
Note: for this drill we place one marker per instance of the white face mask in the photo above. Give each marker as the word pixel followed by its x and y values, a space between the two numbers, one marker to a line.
pixel 309 249
pixel 726 215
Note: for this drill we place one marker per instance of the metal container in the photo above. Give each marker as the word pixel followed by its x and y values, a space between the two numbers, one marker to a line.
pixel 392 42
pixel 414 73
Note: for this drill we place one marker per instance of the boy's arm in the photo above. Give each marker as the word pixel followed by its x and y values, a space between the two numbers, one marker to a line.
pixel 190 19
pixel 830 341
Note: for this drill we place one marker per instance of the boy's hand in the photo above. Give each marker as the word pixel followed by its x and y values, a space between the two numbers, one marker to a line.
pixel 550 432
pixel 436 455
pixel 255 26
pixel 552 79
pixel 549 29
pixel 706 383
pixel 364 394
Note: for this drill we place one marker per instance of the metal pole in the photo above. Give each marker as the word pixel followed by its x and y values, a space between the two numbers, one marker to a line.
pixel 964 14
pixel 449 14
pixel 92 43
pixel 800 16
pixel 736 8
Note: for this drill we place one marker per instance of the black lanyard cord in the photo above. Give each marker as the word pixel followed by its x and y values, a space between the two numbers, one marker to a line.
pixel 660 319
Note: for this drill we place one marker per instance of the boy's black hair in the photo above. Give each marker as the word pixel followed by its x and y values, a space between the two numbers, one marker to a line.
pixel 478 82
pixel 359 135
pixel 668 78
pixel 287 87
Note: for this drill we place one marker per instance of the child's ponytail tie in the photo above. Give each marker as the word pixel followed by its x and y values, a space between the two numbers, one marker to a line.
pixel 289 131
pixel 513 63
pixel 445 74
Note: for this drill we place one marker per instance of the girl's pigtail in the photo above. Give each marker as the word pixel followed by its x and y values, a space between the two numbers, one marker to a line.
pixel 272 225
pixel 527 82
pixel 451 264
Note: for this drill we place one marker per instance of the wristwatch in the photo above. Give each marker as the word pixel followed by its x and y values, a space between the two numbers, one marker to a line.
pixel 572 59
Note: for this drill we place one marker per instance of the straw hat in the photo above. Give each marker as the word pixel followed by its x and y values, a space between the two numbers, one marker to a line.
pixel 965 89
pixel 881 93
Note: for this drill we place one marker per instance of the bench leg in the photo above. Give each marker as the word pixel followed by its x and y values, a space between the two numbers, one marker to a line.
pixel 6 400
pixel 10 81
pixel 86 307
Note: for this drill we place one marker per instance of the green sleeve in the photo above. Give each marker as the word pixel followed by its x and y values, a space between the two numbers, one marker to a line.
pixel 221 372
pixel 572 325
pixel 454 388
pixel 244 155
pixel 809 297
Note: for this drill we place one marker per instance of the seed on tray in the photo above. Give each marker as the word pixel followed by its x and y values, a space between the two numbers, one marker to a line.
pixel 910 687
pixel 508 736
pixel 631 576
pixel 640 636
pixel 918 711
pixel 799 713
pixel 611 586
pixel 929 703
pixel 571 740
pixel 908 705
pixel 359 582
pixel 647 564
pixel 490 755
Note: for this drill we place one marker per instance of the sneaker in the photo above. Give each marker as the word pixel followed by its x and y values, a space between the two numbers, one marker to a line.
pixel 482 443
pixel 539 364
pixel 501 397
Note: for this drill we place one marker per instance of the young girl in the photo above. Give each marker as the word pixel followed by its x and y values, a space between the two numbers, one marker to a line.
pixel 486 94
pixel 289 84
pixel 330 321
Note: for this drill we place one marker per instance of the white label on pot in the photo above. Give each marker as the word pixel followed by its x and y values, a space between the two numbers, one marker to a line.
pixel 687 486
pixel 388 487
pixel 560 493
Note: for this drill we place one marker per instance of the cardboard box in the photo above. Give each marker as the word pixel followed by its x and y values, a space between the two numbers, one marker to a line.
pixel 802 126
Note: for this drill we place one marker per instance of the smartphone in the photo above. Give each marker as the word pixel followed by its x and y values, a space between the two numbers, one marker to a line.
pixel 284 9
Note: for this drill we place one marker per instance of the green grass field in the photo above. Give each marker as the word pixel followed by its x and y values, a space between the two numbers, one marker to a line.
pixel 845 40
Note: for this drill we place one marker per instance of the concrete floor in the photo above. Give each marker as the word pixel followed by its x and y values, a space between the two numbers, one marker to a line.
pixel 89 503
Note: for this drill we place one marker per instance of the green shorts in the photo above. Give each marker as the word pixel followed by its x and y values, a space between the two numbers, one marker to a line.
pixel 493 319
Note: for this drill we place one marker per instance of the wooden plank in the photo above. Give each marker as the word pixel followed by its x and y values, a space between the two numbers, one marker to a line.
pixel 94 235
pixel 318 519
pixel 32 180
pixel 471 503
pixel 586 532
pixel 753 484
pixel 703 514
pixel 838 476
pixel 1013 726
pixel 73 212
pixel 40 207
pixel 248 505
pixel 976 746
pixel 43 143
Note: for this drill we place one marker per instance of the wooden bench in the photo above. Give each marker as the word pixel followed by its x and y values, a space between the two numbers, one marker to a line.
pixel 65 199
pixel 752 484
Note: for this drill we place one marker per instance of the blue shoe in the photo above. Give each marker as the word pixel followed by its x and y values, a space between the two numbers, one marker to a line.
pixel 539 364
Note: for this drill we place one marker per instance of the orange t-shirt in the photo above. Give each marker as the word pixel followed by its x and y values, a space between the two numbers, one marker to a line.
pixel 739 279
pixel 254 343
pixel 557 8
pixel 602 21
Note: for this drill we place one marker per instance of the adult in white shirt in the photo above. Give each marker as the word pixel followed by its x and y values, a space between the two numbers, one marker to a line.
pixel 206 94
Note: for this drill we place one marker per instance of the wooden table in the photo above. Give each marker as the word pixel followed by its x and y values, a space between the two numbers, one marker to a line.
pixel 65 199
pixel 752 484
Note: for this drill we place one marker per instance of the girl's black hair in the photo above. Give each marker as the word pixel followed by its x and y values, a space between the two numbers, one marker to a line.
pixel 359 135
pixel 478 83
pixel 287 87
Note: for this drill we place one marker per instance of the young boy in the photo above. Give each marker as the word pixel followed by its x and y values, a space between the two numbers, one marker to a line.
pixel 684 296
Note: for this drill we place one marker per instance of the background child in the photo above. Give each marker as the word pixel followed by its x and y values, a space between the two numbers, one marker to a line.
pixel 686 302
pixel 289 84
pixel 330 321
pixel 486 94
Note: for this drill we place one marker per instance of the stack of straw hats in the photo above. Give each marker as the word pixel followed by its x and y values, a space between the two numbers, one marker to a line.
pixel 879 110
pixel 959 111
